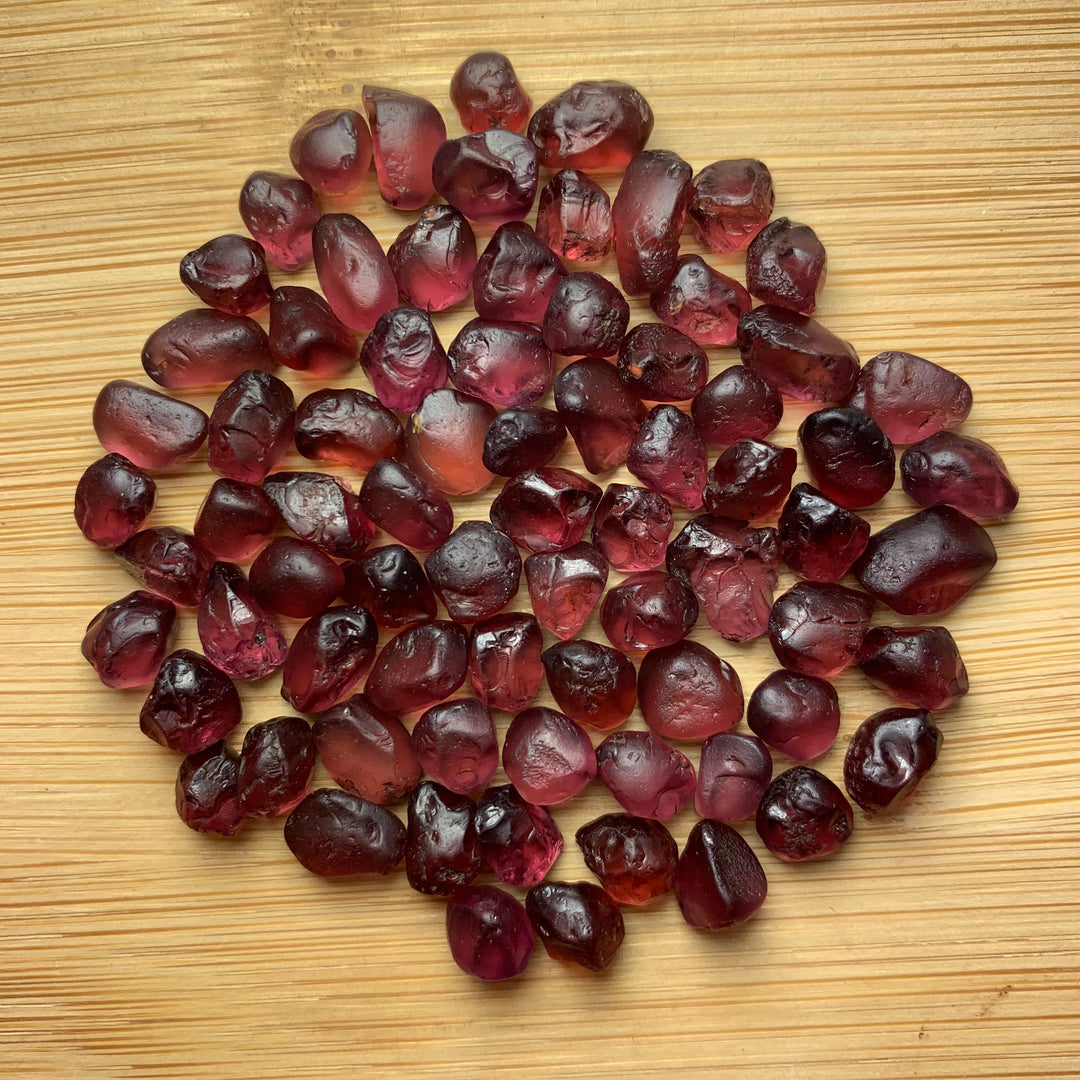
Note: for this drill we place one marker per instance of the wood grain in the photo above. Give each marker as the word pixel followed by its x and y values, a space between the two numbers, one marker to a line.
pixel 934 147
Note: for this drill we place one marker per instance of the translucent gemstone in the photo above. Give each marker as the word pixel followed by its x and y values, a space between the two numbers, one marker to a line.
pixel 207 798
pixel 731 202
pixel 353 271
pixel 329 655
pixel 586 316
pixel 333 833
pixel 750 479
pixel 668 456
pixel 322 509
pixel 919 665
pixel 275 766
pixel 418 667
pixel 795 714
pixel 126 641
pixel 442 849
pixel 850 458
pixel 519 838
pixel 803 815
pixel 506 363
pixel 648 610
pixel 167 561
pixel 926 563
pixel 785 266
pixel 280 211
pixel 505 671
pixel 228 273
pixel 522 437
pixel 191 705
pixel 489 933
pixel 577 922
pixel 545 509
pixel 701 302
pixel 647 776
pixel 434 258
pixel 819 539
pixel 332 151
pixel 573 217
pixel 594 124
pixel 515 276
pixel 152 430
pixel 406 506
pixel 958 471
pixel 565 586
pixel 406 131
pixel 251 427
pixel 444 441
pixel 235 520
pixel 592 683
pixel 404 359
pixel 816 628
pixel 686 691
pixel 347 426
pixel 292 577
pixel 736 404
pixel 486 93
pixel 661 363
pixel 631 527
pixel 719 882
pixel 475 571
pixel 366 751
pixel 455 743
pixel 390 582
pixel 796 355
pixel 307 336
pixel 733 773
pixel 112 500
pixel 634 857
pixel 909 397
pixel 547 756
pixel 648 212
pixel 238 635
pixel 888 756
pixel 489 175
pixel 202 346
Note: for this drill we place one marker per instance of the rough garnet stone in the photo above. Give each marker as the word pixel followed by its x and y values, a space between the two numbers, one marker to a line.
pixel 455 742
pixel 592 683
pixel 634 857
pixel 235 520
pixel 565 586
pixel 251 427
pixel 577 922
pixel 586 316
pixel 228 273
pixel 488 175
pixel 958 471
pixel 207 798
pixel 803 815
pixel 519 838
pixel 797 714
pixel 353 271
pixel 919 665
pixel 701 302
pixel 573 217
pixel 292 577
pixel 442 849
pixel 307 336
pixel 785 266
pixel 522 437
pixel 152 430
pixel 444 441
pixel 888 756
pixel 489 933
pixel 168 561
pixel 750 479
pixel 127 640
pixel 280 211
pixel 719 882
pixel 486 93
pixel 849 457
pixel 330 654
pixel 731 202
pixel 332 151
pixel 434 258
pixel 631 527
pixel 390 582
pixel 275 766
pixel 203 346
pixel 475 571
pixel 661 363
pixel 668 456
pixel 648 610
pixel 547 756
pixel 418 667
pixel 647 776
pixel 733 773
pixel 112 500
pixel 736 404
pixel 545 509
pixel 506 363
pixel 404 359
pixel 406 131
pixel 347 426
pixel 406 506
pixel 505 671
pixel 816 628
pixel 322 509
pixel 515 276
pixel 819 539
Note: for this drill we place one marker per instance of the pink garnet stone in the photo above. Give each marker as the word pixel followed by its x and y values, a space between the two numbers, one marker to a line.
pixel 434 258
pixel 455 743
pixel 347 426
pixel 475 571
pixel 390 582
pixel 321 509
pixel 648 610
pixel 489 932
pixel 251 427
pixel 235 520
pixel 660 363
pixel 816 628
pixel 586 316
pixel 701 302
pixel 152 430
pixel 647 776
pixel 307 336
pixel 592 683
pixel 515 276
pixel 750 479
pixel 505 363
pixel 275 766
pixel 112 500
pixel 486 93
pixel 785 266
pixel 888 756
pixel 795 714
pixel 958 471
pixel 634 857
pixel 202 347
pixel 804 815
pixel 519 838
pixel 565 586
pixel 406 506
pixel 228 273
pixel 406 131
pixel 850 458
pixel 442 850
pixel 577 922
pixel 668 456
pixel 167 561
pixel 418 667
pixel 731 202
pixel 631 527
pixel 207 798
pixel 733 773
pixel 127 640
pixel 547 756
pixel 545 509
pixel 329 655
pixel 719 882
pixel 404 359
pixel 280 211
pixel 353 271
pixel 332 151
pixel 444 441
pixel 919 665
pixel 236 632
pixel 505 670
pixel 489 176
pixel 819 539
pixel 573 217
pixel 734 405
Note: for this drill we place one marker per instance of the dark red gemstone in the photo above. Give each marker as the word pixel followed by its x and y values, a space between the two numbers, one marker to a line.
pixel 404 359
pixel 796 714
pixel 238 635
pixel 958 471
pixel 750 479
pixel 292 577
pixel 406 506
pixel 733 773
pixel 112 500
pixel 228 273
pixel 592 683
pixel 631 527
pixel 434 259
pixel 648 610
pixel 849 457
pixel 329 655
pixel 545 509
pixel 736 404
pixel 207 798
pixel 647 776
pixel 442 849
pixel 152 430
pixel 816 628
pixel 235 520
pixel 634 857
pixel 919 665
pixel 475 571
pixel 515 276
pixel 888 756
pixel 335 834
pixel 444 441
pixel 547 756
pixel 307 336
pixel 489 933
pixel 519 838
pixel 191 705
pixel 390 582
pixel 347 426
pixel 322 509
pixel 577 922
pixel 353 271
pixel 168 561
pixel 418 667
pixel 455 743
pixel 701 302
pixel 332 151
pixel 565 586
pixel 803 815
pixel 731 202
pixel 586 316
pixel 280 211
pixel 126 641
pixel 505 671
pixel 668 456
pixel 819 539
pixel 251 427
pixel 275 766
pixel 406 131
pixel 202 347
pixel 486 93
pixel 785 266
pixel 660 363
pixel 521 438
pixel 488 175
pixel 573 217
pixel 506 363
pixel 719 882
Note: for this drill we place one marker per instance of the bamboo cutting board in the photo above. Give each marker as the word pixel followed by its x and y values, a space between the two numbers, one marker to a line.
pixel 935 149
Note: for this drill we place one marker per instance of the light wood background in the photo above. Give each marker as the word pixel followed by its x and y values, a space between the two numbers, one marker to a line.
pixel 934 147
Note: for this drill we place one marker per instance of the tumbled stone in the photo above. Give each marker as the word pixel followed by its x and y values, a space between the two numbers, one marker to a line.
pixel 329 655
pixel 565 586
pixel 235 520
pixel 280 211
pixel 251 427
pixel 334 833
pixel 126 641
pixel 275 766
pixel 489 933
pixel 390 582
pixel 505 671
pixel 112 500
pixel 819 539
pixel 545 509
pixel 404 504
pixel 520 839
pixel 456 744
pixel 475 571
pixel 592 683
pixel 816 628
pixel 794 713
pixel 889 755
pixel 515 276
pixel 353 272
pixel 418 667
pixel 332 151
pixel 547 756
pixel 487 94
pixel 919 665
pixel 701 302
pixel 573 217
pixel 207 798
pixel 191 705
pixel 307 336
pixel 347 426
pixel 634 857
pixel 731 202
pixel 442 848
pixel 803 815
pixel 521 438
pixel 850 458
pixel 648 610
pixel 203 347
pixel 152 430
pixel 647 776
pixel 228 273
pixel 488 175
pixel 733 773
pixel 577 922
pixel 238 635
pixel 958 471
pixel 785 266
pixel 719 882
pixel 661 363
pixel 444 441
pixel 167 561
pixel 321 509
pixel 750 479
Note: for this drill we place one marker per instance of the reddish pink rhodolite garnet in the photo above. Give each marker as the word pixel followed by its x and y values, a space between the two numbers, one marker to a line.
pixel 444 441
pixel 522 437
pixel 592 683
pixel 203 347
pixel 307 336
pixel 390 582
pixel 251 427
pixel 442 848
pixel 888 756
pixel 565 586
pixel 434 258
pixel 631 527
pixel 958 471
pixel 515 276
pixel 455 743
pixel 404 359
pixel 418 667
pixel 228 273
pixel 819 539
pixel 406 506
pixel 668 456
pixel 750 479
pixel 719 882
pixel 207 796
pixel 648 610
pixel 731 202
pixel 489 933
pixel 112 500
pixel 280 211
pixel 353 272
pixel 292 577
pixel 321 509
pixel 733 773
pixel 573 217
pixel 347 426
pixel 546 756
pixel 328 656
pixel 475 571
pixel 796 714
pixel 332 151
pixel 647 776
pixel 816 628
pixel 920 665
pixel 275 766
pixel 849 457
pixel 168 561
pixel 785 266
pixel 127 640
pixel 152 430
pixel 803 815
pixel 486 93
pixel 505 671
pixel 237 633
pixel 661 363
pixel 488 175
pixel 545 509
pixel 586 316
pixel 235 520
pixel 519 838
pixel 577 922
pixel 634 857
pixel 506 363
pixel 734 405
pixel 406 131
pixel 701 302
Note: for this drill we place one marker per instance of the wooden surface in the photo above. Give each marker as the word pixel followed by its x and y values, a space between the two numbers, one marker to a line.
pixel 934 147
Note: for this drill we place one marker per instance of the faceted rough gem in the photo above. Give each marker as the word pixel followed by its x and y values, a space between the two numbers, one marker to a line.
pixel 442 849
pixel 750 479
pixel 520 839
pixel 796 355
pixel 292 577
pixel 488 175
pixel 634 857
pixel 238 635
pixel 406 506
pixel 228 273
pixel 736 404
pixel 280 211
pixel 785 266
pixel 919 665
pixel 731 202
pixel 335 834
pixel 275 766
pixel 926 563
pixel 660 363
pixel 167 561
pixel 112 500
pixel 577 922
pixel 647 776
pixel 489 933
pixel 251 427
pixel 152 430
pixel 434 259
pixel 506 363
pixel 545 509
pixel 191 704
pixel 366 751
pixel 455 743
pixel 565 586
pixel 888 756
pixel 235 520
pixel 505 671
pixel 332 151
pixel 207 798
pixel 347 426
pixel 307 336
pixel 819 539
pixel 686 691
pixel 648 610
pixel 701 302
pixel 733 773
pixel 795 714
pixel 406 131
pixel 202 346
pixel 648 212
pixel 631 527
pixel 390 582
pixel 732 569
pixel 522 437
pixel 849 457
pixel 909 397
pixel 803 815
pixel 547 756
pixel 444 441
pixel 719 882
pixel 594 124
pixel 592 683
pixel 515 276
pixel 322 509
pixel 329 655
pixel 353 271
pixel 126 641
pixel 419 667
pixel 486 93
pixel 573 217
pixel 668 456
pixel 958 471
pixel 404 359
pixel 816 628
pixel 586 316
pixel 475 571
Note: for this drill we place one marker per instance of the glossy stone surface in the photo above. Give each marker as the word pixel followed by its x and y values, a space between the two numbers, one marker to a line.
pixel 648 610
pixel 329 655
pixel 434 259
pixel 547 756
pixel 292 577
pixel 505 671
pixel 573 217
pixel 889 755
pixel 404 360
pixel 475 571
pixel 418 667
pixel 586 316
pixel 794 714
pixel 647 776
pixel 238 635
pixel 719 882
pixel 203 347
pixel 819 539
pixel 634 857
pixel 515 276
pixel 731 202
pixel 390 582
pixel 275 766
pixel 592 683
pixel 520 839
pixel 444 441
pixel 565 586
pixel 686 691
pixel 112 500
pixel 456 744
pixel 546 509
pixel 631 527
pixel 235 520
pixel 701 302
pixel 406 131
pixel 733 772
pixel 577 922
pixel 251 427
pixel 307 336
pixel 487 94
pixel 353 271
pixel 786 265
pixel 750 479
pixel 958 471
pixel 816 628
pixel 167 561
pixel 850 458
pixel 322 509
pixel 336 834
pixel 668 456
pixel 405 505
pixel 152 430
pixel 207 798
pixel 522 437
pixel 919 665
pixel 332 151
pixel 488 175
pixel 734 405
pixel 442 849
pixel 280 211
pixel 228 273
pixel 505 363
pixel 489 932
pixel 803 815
pixel 347 426
pixel 126 641
pixel 661 363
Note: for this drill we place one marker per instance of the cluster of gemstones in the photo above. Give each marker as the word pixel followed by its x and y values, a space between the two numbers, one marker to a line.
pixel 441 423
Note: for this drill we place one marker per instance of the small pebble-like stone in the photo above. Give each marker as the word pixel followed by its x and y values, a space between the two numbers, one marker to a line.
pixel 701 302
pixel 668 456
pixel 565 587
pixel 228 273
pixel 444 441
pixel 719 882
pixel 152 430
pixel 573 217
pixel 434 259
pixel 816 628
pixel 586 316
pixel 919 665
pixel 347 426
pixel 785 266
pixel 475 571
pixel 489 933
pixel 418 667
pixel 307 336
pixel 521 438
pixel 235 520
pixel 334 833
pixel 733 773
pixel 648 610
pixel 819 539
pixel 353 271
pixel 203 347
pixel 167 561
pixel 634 857
pixel 750 479
pixel 505 671
pixel 207 798
pixel 889 755
pixel 405 505
pixel 515 276
pixel 292 577
pixel 577 922
pixel 505 363
pixel 850 458
pixel 546 509
pixel 322 509
pixel 731 202
pixel 112 500
pixel 442 848
pixel 251 427
pixel 280 211
pixel 958 471
pixel 488 175
pixel 631 527
pixel 406 132
pixel 592 683
pixel 734 405
pixel 547 756
pixel 803 815
pixel 520 839
pixel 455 743
pixel 795 714
pixel 329 655
pixel 486 93
pixel 332 151
pixel 647 776
pixel 126 641
pixel 275 766
pixel 390 582
pixel 661 363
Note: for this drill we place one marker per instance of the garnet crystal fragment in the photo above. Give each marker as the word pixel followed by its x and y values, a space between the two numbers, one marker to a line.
pixel 565 586
pixel 515 276
pixel 418 667
pixel 919 665
pixel 442 848
pixel 819 539
pixel 505 363
pixel 958 471
pixel 573 217
pixel 586 316
pixel 328 656
pixel 634 857
pixel 796 714
pixel 235 520
pixel 731 202
pixel 489 933
pixel 321 509
pixel 668 456
pixel 888 756
pixel 803 815
pixel 701 302
pixel 592 683
pixel 191 704
pixel 661 363
pixel 733 773
pixel 647 776
pixel 545 509
pixel 404 359
pixel 505 671
pixel 444 441
pixel 521 438
pixel 280 211
pixel 577 922
pixel 475 571
pixel 434 258
pixel 332 151
pixel 112 500
pixel 547 756
pixel 275 766
pixel 127 640
pixel 456 744
pixel 251 427
pixel 167 561
pixel 228 273
pixel 353 271
pixel 152 430
pixel 816 628
pixel 719 882
pixel 202 347
pixel 785 266
pixel 520 839
pixel 486 93
pixel 631 527
pixel 292 577
pixel 207 798
pixel 648 610
pixel 390 582
pixel 406 132
pixel 750 479
pixel 734 405
pixel 307 336
pixel 347 426
pixel 849 457
pixel 488 175
pixel 236 632
pixel 406 506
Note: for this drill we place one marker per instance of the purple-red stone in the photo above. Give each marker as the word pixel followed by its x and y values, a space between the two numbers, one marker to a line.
pixel 207 798
pixel 390 582
pixel 203 346
pixel 731 202
pixel 228 273
pixel 434 259
pixel 168 561
pixel 307 336
pixel 750 479
pixel 521 438
pixel 235 520
pixel 455 743
pixel 152 430
pixel 545 509
pixel 418 667
pixel 238 635
pixel 251 427
pixel 819 539
pixel 280 211
pixel 648 610
pixel 661 363
pixel 475 571
pixel 353 271
pixel 565 586
pixel 112 500
pixel 505 671
pixel 404 359
pixel 486 93
pixel 489 932
pixel 850 458
pixel 292 577
pixel 701 302
pixel 785 266
pixel 547 756
pixel 668 456
pixel 519 838
pixel 489 175
pixel 719 882
pixel 803 815
pixel 515 276
pixel 126 641
pixel 631 527
pixel 505 363
pixel 275 766
pixel 648 777
pixel 444 441
pixel 442 849
pixel 592 683
pixel 406 506
pixel 634 857
pixel 733 773
pixel 334 833
pixel 329 655
pixel 958 471
pixel 347 426
pixel 406 131
pixel 322 509
pixel 332 151
pixel 586 316
pixel 795 714
pixel 888 756
pixel 736 404
pixel 577 922
pixel 573 217
pixel 816 628
pixel 919 665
